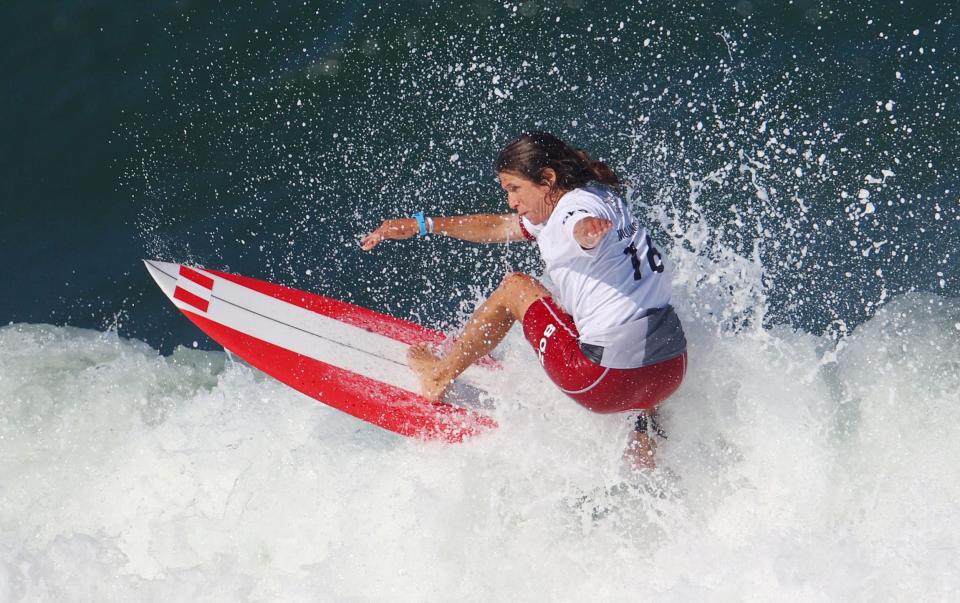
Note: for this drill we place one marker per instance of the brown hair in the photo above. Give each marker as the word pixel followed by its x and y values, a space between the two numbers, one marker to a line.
pixel 532 152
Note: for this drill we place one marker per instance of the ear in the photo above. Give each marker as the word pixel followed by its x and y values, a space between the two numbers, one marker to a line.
pixel 548 177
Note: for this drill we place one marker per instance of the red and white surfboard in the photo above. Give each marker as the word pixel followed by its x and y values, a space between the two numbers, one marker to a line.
pixel 345 356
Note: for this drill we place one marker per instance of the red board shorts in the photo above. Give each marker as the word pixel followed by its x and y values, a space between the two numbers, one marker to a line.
pixel 554 338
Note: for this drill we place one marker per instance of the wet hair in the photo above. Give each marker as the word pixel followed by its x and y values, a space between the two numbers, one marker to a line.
pixel 532 152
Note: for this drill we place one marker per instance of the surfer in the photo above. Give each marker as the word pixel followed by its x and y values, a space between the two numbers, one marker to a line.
pixel 607 335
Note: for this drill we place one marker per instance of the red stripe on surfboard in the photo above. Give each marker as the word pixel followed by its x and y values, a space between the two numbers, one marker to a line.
pixel 390 407
pixel 201 279
pixel 368 320
pixel 189 298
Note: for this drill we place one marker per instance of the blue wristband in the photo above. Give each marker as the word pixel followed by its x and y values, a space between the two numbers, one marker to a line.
pixel 421 221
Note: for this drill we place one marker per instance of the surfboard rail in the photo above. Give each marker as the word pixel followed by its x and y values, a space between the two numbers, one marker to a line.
pixel 343 355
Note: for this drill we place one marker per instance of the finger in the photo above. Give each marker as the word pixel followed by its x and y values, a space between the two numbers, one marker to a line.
pixel 371 241
pixel 599 225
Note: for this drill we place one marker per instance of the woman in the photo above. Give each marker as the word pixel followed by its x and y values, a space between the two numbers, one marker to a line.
pixel 607 336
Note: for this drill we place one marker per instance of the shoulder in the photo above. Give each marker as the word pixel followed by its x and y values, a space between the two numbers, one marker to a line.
pixel 591 200
pixel 585 194
pixel 592 195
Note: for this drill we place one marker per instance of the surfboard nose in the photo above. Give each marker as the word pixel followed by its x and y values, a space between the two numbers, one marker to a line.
pixel 165 274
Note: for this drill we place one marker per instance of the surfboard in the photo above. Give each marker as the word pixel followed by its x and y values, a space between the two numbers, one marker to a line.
pixel 343 355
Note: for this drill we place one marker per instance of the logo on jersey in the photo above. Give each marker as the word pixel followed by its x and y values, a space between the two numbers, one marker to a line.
pixel 628 232
pixel 542 347
pixel 573 213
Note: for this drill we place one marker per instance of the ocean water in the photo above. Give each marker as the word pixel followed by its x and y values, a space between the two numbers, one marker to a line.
pixel 795 160
pixel 795 470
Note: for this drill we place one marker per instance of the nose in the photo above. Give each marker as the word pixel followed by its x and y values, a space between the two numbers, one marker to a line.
pixel 511 202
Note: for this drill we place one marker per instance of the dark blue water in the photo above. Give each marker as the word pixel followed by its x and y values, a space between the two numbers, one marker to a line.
pixel 816 138
pixel 797 162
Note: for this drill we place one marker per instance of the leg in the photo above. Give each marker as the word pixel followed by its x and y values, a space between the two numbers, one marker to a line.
pixel 487 327
pixel 641 447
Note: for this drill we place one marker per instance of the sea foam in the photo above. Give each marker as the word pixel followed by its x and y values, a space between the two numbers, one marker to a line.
pixel 796 468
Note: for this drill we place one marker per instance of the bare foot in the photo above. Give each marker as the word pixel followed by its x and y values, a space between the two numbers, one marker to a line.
pixel 640 451
pixel 429 370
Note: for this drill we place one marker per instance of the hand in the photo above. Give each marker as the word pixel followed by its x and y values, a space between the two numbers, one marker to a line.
pixel 588 231
pixel 402 228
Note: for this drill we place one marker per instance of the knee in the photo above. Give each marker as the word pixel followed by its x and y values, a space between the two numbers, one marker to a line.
pixel 517 280
pixel 517 291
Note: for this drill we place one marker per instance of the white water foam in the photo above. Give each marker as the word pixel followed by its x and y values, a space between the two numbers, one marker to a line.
pixel 796 469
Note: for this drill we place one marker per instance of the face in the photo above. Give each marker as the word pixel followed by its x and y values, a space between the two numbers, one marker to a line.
pixel 529 198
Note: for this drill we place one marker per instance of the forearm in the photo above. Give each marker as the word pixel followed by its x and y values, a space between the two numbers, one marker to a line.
pixel 479 228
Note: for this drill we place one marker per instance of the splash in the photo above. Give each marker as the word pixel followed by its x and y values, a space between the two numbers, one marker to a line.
pixel 798 469
pixel 802 188
pixel 814 159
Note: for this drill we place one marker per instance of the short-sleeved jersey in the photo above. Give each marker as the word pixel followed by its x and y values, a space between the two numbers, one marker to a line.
pixel 618 293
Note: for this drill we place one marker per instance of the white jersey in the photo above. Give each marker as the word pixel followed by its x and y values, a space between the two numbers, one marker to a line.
pixel 618 293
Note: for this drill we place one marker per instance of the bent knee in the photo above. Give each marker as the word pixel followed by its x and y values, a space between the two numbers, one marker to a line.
pixel 518 290
pixel 516 280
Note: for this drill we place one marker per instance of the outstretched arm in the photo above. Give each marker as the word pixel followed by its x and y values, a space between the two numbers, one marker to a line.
pixel 479 228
